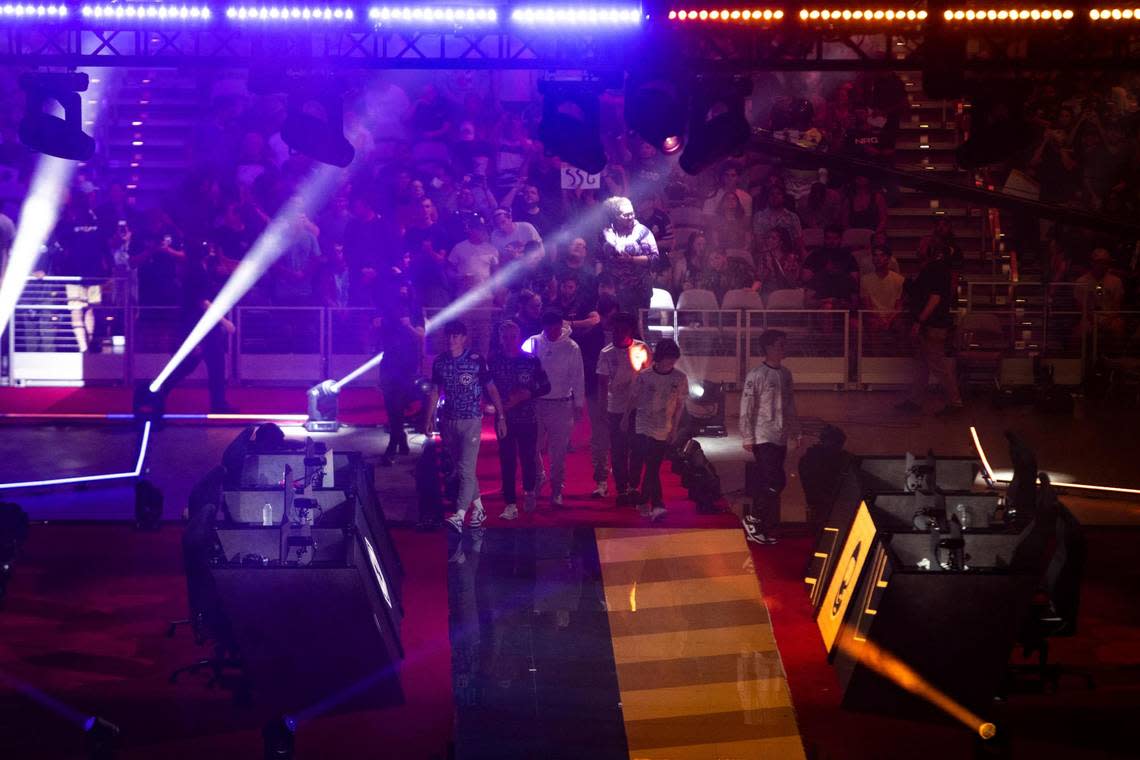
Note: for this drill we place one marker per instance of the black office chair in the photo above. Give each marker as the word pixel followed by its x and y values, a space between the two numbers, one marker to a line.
pixel 200 547
pixel 1054 614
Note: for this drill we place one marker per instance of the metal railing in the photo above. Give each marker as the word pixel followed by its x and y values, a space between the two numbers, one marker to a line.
pixel 1017 324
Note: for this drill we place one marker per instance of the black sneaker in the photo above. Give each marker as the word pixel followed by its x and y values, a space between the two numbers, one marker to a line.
pixel 753 532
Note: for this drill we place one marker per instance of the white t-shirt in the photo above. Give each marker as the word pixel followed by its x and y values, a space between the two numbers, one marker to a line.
pixel 615 364
pixel 511 246
pixel 657 397
pixel 474 262
pixel 883 293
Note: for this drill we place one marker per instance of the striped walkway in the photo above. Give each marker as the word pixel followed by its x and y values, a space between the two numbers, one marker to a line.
pixel 698 670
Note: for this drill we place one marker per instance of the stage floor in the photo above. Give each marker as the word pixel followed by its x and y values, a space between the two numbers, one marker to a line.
pixel 1095 445
pixel 88 607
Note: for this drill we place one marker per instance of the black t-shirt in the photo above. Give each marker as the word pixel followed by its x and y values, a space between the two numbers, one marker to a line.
pixel 401 347
pixel 430 117
pixel 200 284
pixel 370 243
pixel 234 244
pixel 429 277
pixel 934 279
pixel 83 247
pixel 541 220
pixel 816 261
pixel 861 139
pixel 838 285
pixel 158 275
pixel 415 236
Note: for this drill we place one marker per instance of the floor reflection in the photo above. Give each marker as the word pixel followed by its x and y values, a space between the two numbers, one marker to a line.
pixel 532 662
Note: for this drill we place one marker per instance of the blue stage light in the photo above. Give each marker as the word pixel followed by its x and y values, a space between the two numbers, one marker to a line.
pixel 623 16
pixel 285 14
pixel 119 12
pixel 32 12
pixel 405 14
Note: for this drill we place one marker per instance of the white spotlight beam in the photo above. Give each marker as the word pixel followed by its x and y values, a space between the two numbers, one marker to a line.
pixel 1053 481
pixel 312 194
pixel 335 387
pixel 40 211
pixel 467 301
pixel 477 295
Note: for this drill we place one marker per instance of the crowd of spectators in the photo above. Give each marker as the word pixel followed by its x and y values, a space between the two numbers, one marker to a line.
pixel 453 187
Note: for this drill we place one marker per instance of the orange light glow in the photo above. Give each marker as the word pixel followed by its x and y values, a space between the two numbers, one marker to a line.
pixel 638 357
pixel 887 665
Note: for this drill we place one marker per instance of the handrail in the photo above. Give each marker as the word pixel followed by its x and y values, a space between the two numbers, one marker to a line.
pixel 144 334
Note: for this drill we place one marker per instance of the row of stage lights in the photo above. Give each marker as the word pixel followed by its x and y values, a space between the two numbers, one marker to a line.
pixel 1012 14
pixel 861 15
pixel 607 16
pixel 735 15
pixel 529 16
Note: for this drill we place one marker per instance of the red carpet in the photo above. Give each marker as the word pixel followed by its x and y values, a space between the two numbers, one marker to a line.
pixel 578 508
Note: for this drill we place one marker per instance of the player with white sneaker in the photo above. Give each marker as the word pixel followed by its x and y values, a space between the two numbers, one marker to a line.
pixel 520 379
pixel 768 421
pixel 462 376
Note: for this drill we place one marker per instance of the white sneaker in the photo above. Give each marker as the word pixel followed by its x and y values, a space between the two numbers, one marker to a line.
pixel 657 513
pixel 455 521
pixel 510 513
pixel 755 534
pixel 601 490
pixel 530 503
pixel 556 499
pixel 478 515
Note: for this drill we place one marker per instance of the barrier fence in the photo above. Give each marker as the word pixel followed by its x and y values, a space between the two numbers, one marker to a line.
pixel 1006 330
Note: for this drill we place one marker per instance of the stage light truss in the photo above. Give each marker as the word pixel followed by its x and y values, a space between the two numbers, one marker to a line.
pixel 725 16
pixel 145 12
pixel 433 15
pixel 34 12
pixel 702 36
pixel 576 16
pixel 274 14
pixel 1108 15
pixel 1008 15
pixel 862 16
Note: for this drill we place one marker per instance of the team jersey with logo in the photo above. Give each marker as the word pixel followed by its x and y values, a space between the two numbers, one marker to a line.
pixel 461 379
pixel 523 372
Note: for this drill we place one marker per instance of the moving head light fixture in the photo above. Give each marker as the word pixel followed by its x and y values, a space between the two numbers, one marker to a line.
pixel 571 123
pixel 717 125
pixel 314 119
pixel 52 135
pixel 655 109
